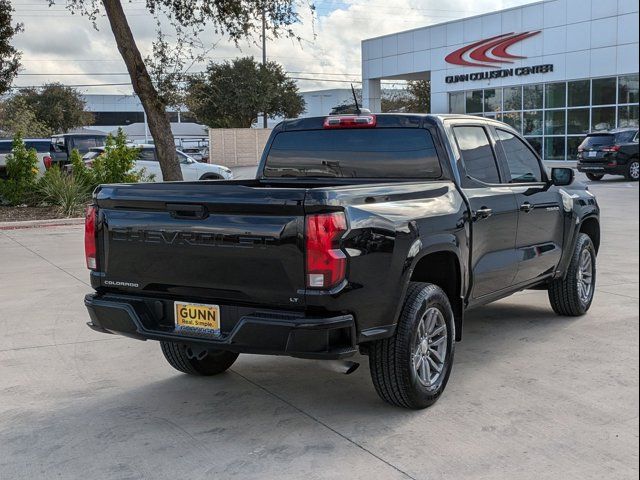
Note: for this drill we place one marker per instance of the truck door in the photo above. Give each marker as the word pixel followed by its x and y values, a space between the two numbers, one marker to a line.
pixel 494 212
pixel 540 218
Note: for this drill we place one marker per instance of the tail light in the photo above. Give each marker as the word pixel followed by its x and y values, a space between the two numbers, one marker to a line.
pixel 350 121
pixel 326 263
pixel 48 161
pixel 615 148
pixel 90 233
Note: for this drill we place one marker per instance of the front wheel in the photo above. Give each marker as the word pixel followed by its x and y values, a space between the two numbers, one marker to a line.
pixel 210 176
pixel 411 369
pixel 204 362
pixel 595 177
pixel 633 170
pixel 573 294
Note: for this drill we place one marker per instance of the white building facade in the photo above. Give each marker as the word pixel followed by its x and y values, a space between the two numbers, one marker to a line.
pixel 554 70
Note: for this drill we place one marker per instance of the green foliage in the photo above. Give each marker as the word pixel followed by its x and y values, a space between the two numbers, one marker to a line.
pixel 415 99
pixel 115 165
pixel 67 192
pixel 9 56
pixel 57 107
pixel 22 173
pixel 17 117
pixel 232 94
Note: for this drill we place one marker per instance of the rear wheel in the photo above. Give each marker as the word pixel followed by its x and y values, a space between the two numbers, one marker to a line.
pixel 633 170
pixel 411 369
pixel 595 177
pixel 573 294
pixel 204 362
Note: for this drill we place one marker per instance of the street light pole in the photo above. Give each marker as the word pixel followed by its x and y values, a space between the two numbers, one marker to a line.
pixel 264 57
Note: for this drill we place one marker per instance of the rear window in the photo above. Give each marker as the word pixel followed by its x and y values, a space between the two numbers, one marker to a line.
pixel 5 147
pixel 593 141
pixel 354 153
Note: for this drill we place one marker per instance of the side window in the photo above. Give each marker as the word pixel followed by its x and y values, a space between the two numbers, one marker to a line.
pixel 477 154
pixel 523 164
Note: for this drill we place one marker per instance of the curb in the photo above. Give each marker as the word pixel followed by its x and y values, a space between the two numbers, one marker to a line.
pixel 56 222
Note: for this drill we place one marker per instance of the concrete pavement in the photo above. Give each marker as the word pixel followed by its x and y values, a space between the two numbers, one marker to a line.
pixel 532 395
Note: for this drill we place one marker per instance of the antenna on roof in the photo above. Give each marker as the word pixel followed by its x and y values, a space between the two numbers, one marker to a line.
pixel 355 99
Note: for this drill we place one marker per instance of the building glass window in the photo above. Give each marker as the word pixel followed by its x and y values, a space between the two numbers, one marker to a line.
pixel 628 89
pixel 628 116
pixel 578 93
pixel 493 100
pixel 474 101
pixel 532 97
pixel 514 119
pixel 577 120
pixel 603 118
pixel 554 148
pixel 456 102
pixel 512 98
pixel 532 123
pixel 555 95
pixel 554 122
pixel 603 91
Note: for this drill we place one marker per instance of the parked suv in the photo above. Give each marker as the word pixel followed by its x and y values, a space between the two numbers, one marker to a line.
pixel 191 169
pixel 41 146
pixel 610 153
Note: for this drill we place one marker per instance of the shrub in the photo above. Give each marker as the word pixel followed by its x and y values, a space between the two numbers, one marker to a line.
pixel 67 192
pixel 22 174
pixel 115 165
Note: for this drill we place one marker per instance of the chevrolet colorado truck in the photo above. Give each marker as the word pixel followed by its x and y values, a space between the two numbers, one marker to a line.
pixel 361 233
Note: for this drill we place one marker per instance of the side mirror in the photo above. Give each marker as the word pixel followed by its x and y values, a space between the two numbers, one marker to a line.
pixel 561 177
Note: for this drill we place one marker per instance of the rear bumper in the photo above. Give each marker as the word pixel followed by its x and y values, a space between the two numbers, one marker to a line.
pixel 601 168
pixel 242 330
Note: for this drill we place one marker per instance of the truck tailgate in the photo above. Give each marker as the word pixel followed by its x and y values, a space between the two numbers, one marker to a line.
pixel 233 241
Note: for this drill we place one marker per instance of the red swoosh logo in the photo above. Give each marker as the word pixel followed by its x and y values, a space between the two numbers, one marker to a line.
pixel 495 46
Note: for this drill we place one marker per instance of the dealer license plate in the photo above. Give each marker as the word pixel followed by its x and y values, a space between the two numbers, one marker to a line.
pixel 592 154
pixel 197 316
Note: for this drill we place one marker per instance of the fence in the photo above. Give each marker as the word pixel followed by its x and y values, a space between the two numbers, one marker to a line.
pixel 234 147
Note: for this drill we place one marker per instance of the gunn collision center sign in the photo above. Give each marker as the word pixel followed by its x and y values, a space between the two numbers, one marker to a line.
pixel 492 53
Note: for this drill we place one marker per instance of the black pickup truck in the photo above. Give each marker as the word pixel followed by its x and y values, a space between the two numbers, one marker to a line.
pixel 361 233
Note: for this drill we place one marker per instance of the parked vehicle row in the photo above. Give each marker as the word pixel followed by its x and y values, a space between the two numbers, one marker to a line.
pixel 147 160
pixel 57 151
pixel 361 233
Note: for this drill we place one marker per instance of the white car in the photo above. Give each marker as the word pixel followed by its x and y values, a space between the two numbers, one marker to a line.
pixel 42 147
pixel 191 170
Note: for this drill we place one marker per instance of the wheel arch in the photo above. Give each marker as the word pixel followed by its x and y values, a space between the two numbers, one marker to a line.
pixel 591 227
pixel 443 268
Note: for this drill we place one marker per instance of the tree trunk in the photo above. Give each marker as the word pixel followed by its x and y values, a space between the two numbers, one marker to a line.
pixel 143 86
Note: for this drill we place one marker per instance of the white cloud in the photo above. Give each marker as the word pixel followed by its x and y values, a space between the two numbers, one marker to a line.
pixel 55 41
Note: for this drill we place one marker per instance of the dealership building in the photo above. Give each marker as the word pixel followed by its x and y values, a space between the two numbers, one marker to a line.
pixel 554 70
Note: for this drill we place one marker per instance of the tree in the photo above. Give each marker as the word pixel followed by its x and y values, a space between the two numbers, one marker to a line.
pixel 232 94
pixel 416 98
pixel 57 107
pixel 18 117
pixel 9 56
pixel 235 18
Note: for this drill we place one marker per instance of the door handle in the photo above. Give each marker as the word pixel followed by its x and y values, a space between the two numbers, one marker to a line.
pixel 483 212
pixel 186 211
pixel 526 207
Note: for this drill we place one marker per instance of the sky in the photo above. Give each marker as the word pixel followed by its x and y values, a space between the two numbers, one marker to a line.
pixel 58 46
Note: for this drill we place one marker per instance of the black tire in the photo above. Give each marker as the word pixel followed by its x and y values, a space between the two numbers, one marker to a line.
pixel 633 170
pixel 182 359
pixel 595 177
pixel 391 360
pixel 564 292
pixel 210 176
